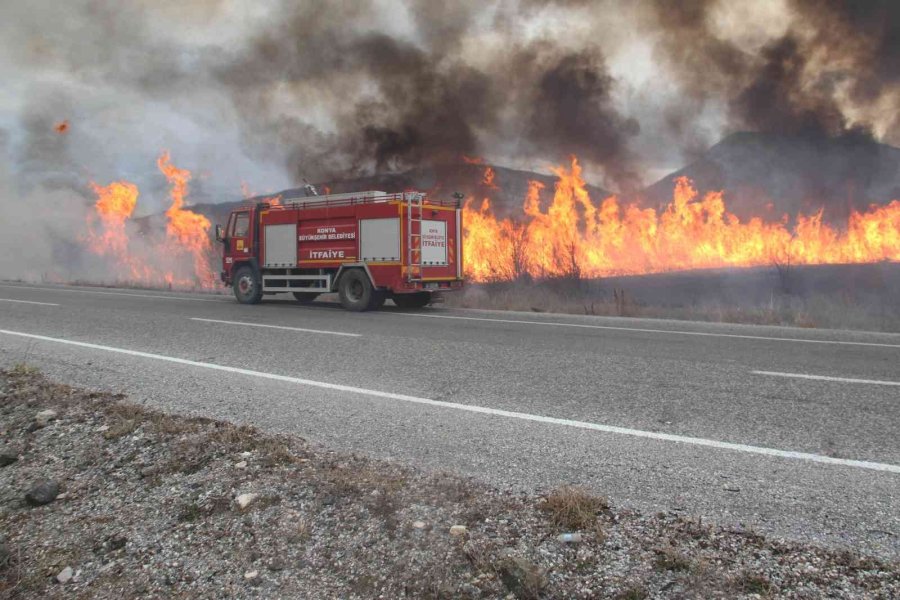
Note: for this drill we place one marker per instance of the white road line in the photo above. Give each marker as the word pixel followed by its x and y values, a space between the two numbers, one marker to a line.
pixel 28 302
pixel 641 330
pixel 108 293
pixel 827 378
pixel 276 327
pixel 859 464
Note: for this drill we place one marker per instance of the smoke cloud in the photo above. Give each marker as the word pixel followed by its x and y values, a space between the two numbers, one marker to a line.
pixel 276 91
pixel 831 72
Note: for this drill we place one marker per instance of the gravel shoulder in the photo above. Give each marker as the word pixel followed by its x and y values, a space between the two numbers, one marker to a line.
pixel 100 498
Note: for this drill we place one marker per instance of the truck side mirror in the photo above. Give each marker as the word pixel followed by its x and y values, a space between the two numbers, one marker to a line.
pixel 220 233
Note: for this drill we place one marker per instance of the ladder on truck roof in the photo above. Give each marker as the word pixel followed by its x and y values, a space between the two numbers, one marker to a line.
pixel 414 210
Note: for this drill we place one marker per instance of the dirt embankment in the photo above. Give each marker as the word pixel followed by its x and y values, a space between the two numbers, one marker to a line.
pixel 104 499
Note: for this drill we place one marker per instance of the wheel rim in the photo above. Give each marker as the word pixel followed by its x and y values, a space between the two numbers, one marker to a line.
pixel 355 291
pixel 245 285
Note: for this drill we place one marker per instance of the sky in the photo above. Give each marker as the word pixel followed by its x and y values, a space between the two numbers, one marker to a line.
pixel 265 93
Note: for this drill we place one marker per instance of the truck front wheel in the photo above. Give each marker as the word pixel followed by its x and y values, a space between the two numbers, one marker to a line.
pixel 247 287
pixel 415 300
pixel 356 292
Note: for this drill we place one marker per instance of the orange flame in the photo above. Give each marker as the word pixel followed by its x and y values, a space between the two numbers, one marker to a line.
pixel 114 206
pixel 575 237
pixel 488 179
pixel 145 260
pixel 61 127
pixel 187 231
pixel 472 160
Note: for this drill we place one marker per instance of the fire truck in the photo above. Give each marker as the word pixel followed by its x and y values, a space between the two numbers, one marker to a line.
pixel 366 246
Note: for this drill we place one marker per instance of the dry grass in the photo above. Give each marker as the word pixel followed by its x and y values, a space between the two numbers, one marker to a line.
pixel 849 301
pixel 573 509
pixel 749 582
pixel 670 559
pixel 636 592
pixel 120 428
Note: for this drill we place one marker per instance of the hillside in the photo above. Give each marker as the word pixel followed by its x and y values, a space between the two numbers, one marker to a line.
pixel 770 175
pixel 507 194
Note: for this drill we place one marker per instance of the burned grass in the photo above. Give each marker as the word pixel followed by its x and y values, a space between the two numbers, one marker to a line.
pixel 825 296
pixel 155 505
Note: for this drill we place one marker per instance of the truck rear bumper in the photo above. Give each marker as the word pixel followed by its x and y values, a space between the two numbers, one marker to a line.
pixel 442 285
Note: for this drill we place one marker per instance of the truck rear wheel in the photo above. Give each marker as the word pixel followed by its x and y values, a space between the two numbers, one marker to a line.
pixel 305 297
pixel 415 300
pixel 247 287
pixel 355 291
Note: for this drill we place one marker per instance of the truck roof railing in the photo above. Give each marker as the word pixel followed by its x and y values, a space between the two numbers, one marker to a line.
pixel 349 199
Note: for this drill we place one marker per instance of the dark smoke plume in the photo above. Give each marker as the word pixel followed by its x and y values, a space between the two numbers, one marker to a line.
pixel 424 101
pixel 571 108
pixel 796 83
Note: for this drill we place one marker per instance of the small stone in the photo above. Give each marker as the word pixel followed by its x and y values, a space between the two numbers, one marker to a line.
pixel 43 418
pixel 251 577
pixel 458 530
pixel 731 488
pixel 277 564
pixel 245 500
pixel 241 465
pixel 117 542
pixel 43 493
pixel 8 456
pixel 65 575
pixel 419 524
pixel 102 428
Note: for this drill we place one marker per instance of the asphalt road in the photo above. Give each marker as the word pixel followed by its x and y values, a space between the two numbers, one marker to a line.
pixel 791 432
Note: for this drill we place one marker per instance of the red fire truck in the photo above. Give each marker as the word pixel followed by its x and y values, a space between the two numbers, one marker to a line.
pixel 366 246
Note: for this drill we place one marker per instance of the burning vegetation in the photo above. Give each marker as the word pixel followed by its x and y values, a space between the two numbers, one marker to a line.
pixel 571 236
pixel 181 258
pixel 574 237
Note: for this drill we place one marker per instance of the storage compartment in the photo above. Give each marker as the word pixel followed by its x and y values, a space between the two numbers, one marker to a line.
pixel 379 239
pixel 281 245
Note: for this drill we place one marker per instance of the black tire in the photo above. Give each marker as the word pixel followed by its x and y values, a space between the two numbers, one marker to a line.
pixel 355 291
pixel 247 286
pixel 415 300
pixel 305 297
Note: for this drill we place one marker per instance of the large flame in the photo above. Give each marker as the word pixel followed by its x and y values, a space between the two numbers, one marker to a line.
pixel 150 261
pixel 575 237
pixel 114 206
pixel 107 235
pixel 187 231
